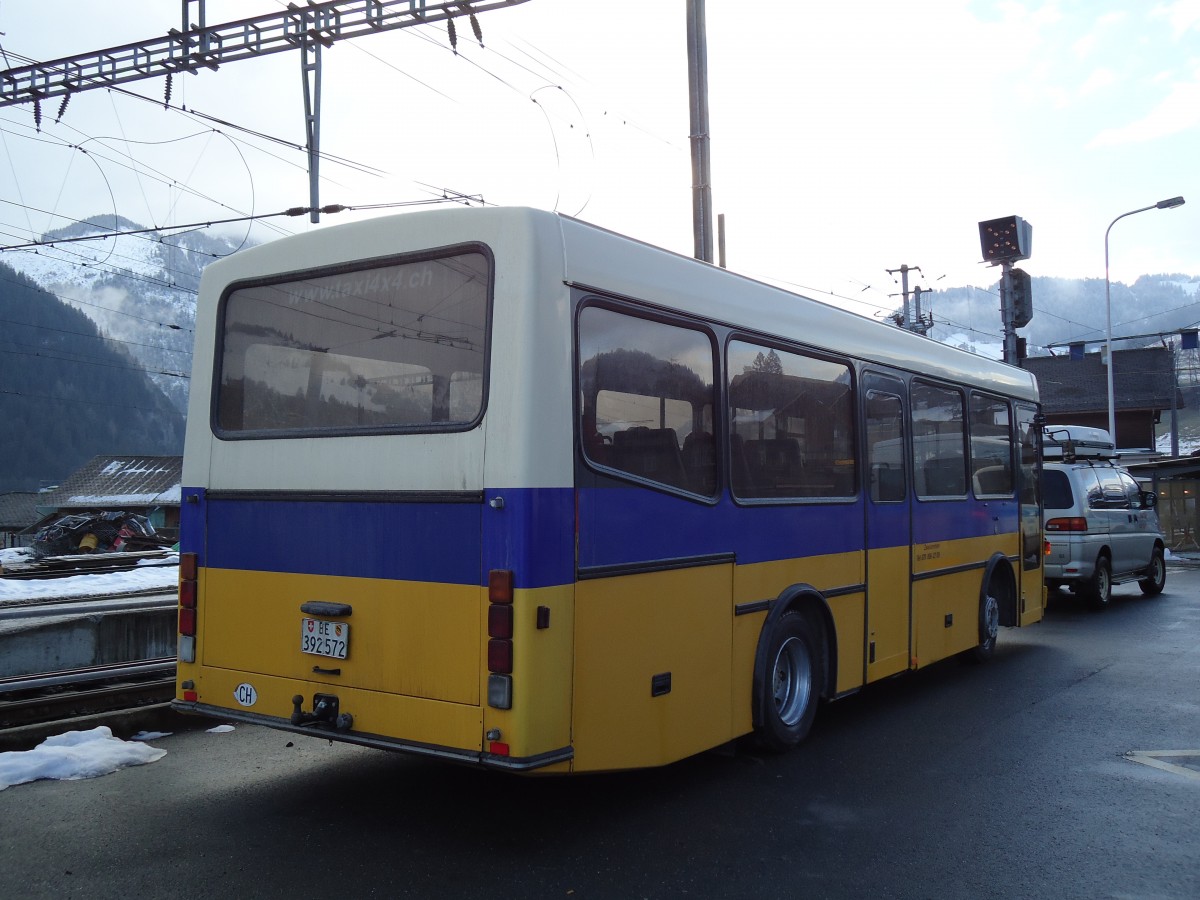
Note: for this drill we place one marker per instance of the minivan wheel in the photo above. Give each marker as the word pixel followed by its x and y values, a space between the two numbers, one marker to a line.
pixel 1156 575
pixel 1099 589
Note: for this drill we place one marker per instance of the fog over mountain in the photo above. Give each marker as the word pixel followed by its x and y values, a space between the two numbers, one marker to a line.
pixel 95 346
pixel 139 289
pixel 1068 309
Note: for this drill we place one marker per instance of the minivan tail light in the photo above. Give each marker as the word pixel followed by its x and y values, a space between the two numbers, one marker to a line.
pixel 1067 523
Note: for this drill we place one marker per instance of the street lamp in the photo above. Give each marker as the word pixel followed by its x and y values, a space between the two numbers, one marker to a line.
pixel 1112 410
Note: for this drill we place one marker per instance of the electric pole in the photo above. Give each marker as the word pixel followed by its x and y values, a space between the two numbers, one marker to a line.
pixel 697 42
pixel 908 320
pixel 199 46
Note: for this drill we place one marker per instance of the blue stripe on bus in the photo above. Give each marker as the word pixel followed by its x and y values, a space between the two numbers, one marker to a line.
pixel 534 533
pixel 630 525
pixel 452 543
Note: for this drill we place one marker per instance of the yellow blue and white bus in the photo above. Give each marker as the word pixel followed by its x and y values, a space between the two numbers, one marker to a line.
pixel 501 487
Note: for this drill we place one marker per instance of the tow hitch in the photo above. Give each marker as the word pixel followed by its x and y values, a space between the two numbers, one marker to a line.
pixel 324 713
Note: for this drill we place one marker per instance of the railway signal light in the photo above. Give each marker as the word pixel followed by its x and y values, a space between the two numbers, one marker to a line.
pixel 1005 240
pixel 1022 298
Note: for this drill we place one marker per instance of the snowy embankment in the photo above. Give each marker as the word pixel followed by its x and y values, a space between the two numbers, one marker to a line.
pixel 82 754
pixel 149 575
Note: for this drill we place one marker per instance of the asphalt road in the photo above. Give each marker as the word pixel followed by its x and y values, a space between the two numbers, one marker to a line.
pixel 1008 780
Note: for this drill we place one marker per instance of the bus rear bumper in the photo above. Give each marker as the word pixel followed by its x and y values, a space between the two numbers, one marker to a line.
pixel 379 742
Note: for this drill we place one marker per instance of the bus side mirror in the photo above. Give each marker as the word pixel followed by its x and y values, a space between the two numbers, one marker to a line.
pixel 1149 499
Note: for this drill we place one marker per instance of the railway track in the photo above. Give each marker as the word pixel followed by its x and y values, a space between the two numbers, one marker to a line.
pixel 53 696
pixel 84 564
pixel 100 602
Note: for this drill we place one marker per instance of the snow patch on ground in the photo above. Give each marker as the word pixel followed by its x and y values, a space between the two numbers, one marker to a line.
pixel 73 756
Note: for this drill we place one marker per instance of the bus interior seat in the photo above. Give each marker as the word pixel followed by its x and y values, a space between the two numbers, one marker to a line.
pixel 651 453
pixel 887 483
pixel 743 482
pixel 777 463
pixel 944 478
pixel 700 460
pixel 993 480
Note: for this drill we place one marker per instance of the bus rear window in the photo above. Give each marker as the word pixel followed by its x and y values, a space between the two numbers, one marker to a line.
pixel 393 347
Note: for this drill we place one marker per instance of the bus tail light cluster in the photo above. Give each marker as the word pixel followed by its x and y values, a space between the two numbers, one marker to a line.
pixel 500 634
pixel 187 607
pixel 1067 523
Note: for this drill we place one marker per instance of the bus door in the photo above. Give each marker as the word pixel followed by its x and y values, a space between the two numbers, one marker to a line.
pixel 1030 494
pixel 889 528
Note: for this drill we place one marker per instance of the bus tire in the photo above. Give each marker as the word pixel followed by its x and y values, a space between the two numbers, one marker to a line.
pixel 989 626
pixel 793 684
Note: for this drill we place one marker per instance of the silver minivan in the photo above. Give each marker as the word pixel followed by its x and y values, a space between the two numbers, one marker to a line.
pixel 1101 527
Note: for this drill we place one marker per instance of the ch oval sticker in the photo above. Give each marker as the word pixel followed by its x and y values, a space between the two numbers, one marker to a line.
pixel 245 694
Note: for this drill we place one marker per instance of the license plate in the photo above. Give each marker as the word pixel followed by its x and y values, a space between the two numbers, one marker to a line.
pixel 323 638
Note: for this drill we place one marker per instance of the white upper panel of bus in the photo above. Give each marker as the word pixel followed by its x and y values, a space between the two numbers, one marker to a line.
pixel 608 261
pixel 537 254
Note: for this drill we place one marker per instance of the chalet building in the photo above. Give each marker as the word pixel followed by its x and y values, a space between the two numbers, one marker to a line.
pixel 147 485
pixel 1074 391
pixel 18 516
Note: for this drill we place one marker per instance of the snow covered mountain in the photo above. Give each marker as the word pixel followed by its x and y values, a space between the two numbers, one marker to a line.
pixel 139 289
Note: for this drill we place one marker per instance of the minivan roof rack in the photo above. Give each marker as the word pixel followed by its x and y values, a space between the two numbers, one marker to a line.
pixel 1071 442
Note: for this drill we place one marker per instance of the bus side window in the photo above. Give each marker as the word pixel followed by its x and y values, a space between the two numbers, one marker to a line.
pixel 700 460
pixel 777 465
pixel 651 453
pixel 887 483
pixel 743 482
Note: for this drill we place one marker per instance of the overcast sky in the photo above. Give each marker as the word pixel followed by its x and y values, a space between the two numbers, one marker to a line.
pixel 848 138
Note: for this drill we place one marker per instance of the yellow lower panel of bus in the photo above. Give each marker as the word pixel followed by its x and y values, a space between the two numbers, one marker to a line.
pixel 652 667
pixel 766 581
pixel 418 639
pixel 540 718
pixel 410 719
pixel 961 552
pixel 888 612
pixel 945 616
pixel 946 605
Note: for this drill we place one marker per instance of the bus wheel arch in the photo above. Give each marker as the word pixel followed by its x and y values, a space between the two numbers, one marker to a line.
pixel 793 667
pixel 997 605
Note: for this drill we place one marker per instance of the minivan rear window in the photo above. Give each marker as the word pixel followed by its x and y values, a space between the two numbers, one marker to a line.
pixel 1056 489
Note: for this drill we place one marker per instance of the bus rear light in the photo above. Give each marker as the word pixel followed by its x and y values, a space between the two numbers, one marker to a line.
pixel 499 691
pixel 187 622
pixel 1068 523
pixel 187 594
pixel 191 696
pixel 187 607
pixel 498 748
pixel 500 620
pixel 500 586
pixel 500 656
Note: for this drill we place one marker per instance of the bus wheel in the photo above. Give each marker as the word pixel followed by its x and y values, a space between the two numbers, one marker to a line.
pixel 989 626
pixel 792 685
